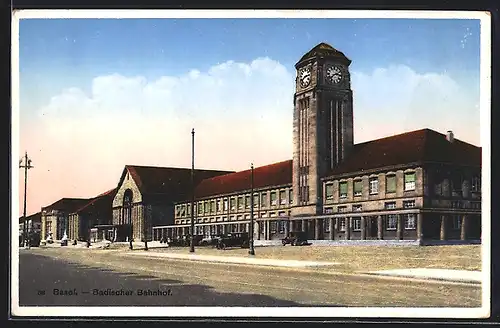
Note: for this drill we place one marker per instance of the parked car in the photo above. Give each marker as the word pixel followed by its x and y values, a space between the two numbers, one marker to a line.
pixel 235 239
pixel 296 238
pixel 210 240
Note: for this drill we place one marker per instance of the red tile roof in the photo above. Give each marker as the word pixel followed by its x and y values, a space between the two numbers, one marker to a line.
pixel 68 205
pixel 104 199
pixel 264 176
pixel 171 182
pixel 418 146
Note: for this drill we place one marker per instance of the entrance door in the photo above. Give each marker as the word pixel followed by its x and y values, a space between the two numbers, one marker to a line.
pixel 372 228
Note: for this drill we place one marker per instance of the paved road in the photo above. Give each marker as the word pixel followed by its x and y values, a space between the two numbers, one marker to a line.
pixel 78 273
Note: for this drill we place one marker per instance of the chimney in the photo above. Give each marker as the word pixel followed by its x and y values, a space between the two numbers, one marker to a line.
pixel 449 136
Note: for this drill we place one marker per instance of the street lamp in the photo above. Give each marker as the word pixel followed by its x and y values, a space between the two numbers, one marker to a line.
pixel 191 250
pixel 26 165
pixel 252 249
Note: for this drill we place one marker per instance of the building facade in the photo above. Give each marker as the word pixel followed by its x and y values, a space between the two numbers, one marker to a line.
pixel 55 217
pixel 420 185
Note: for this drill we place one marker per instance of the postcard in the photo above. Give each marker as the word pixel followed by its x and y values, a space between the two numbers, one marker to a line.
pixel 250 163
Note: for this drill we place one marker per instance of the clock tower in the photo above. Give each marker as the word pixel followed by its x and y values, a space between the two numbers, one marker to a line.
pixel 322 123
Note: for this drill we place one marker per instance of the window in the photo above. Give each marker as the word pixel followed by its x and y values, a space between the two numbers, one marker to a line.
pixel 183 210
pixel 217 208
pixel 263 200
pixel 255 200
pixel 282 197
pixel 200 209
pixel 409 181
pixel 281 226
pixel 343 190
pixel 341 209
pixel 373 186
pixel 328 210
pixel 290 196
pixel 225 204
pixel 188 210
pixel 390 184
pixel 476 184
pixel 358 188
pixel 342 224
pixel 212 206
pixel 329 191
pixel 409 221
pixel 390 205
pixel 273 198
pixel 326 225
pixel 457 222
pixel 357 208
pixel 247 201
pixel 178 210
pixel 272 226
pixel 409 204
pixel 205 207
pixel 392 221
pixel 232 204
pixel 356 224
pixel 240 203
pixel 456 204
pixel 456 183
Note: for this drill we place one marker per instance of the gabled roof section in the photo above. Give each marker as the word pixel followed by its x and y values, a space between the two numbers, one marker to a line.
pixel 325 50
pixel 265 176
pixel 420 146
pixel 66 204
pixel 105 199
pixel 167 180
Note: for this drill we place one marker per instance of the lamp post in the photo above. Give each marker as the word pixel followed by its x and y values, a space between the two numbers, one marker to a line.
pixel 26 165
pixel 131 231
pixel 191 250
pixel 251 250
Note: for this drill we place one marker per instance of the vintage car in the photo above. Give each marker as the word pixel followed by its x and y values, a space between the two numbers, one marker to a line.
pixel 184 241
pixel 295 238
pixel 210 241
pixel 235 239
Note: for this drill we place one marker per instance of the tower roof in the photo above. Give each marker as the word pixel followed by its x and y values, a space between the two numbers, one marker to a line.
pixel 324 50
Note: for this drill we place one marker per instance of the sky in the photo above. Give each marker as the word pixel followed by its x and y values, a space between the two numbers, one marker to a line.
pixel 99 94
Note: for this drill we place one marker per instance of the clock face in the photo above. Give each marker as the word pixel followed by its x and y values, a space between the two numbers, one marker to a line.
pixel 334 74
pixel 305 77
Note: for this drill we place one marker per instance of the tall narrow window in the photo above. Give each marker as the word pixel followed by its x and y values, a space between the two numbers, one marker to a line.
pixel 263 200
pixel 256 200
pixel 358 187
pixel 282 197
pixel 240 203
pixel 390 184
pixel 273 198
pixel 290 196
pixel 476 184
pixel 373 186
pixel 247 201
pixel 329 191
pixel 225 204
pixel 233 202
pixel 409 181
pixel 343 190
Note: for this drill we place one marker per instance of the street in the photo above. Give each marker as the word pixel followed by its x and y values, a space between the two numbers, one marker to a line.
pixel 83 277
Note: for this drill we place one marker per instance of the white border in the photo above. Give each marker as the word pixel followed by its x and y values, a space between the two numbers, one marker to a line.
pixel 298 312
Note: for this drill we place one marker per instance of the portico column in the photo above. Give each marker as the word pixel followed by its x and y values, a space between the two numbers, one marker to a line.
pixel 316 229
pixel 399 231
pixel 292 228
pixel 463 228
pixel 348 228
pixel 266 230
pixel 286 227
pixel 420 235
pixel 363 228
pixel 444 221
pixel 380 228
pixel 304 225
pixel 332 228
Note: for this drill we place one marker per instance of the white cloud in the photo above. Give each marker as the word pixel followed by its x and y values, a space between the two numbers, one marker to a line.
pixel 242 113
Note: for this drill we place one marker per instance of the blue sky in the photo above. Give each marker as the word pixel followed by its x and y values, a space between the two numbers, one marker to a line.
pixel 97 94
pixel 72 51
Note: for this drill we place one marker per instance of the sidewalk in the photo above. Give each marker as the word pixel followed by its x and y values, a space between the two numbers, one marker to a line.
pixel 235 260
pixel 435 274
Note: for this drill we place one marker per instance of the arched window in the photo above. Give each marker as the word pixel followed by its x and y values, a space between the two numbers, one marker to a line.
pixel 127 206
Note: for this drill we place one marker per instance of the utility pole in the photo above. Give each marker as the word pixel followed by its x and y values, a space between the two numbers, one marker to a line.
pixel 26 165
pixel 191 250
pixel 145 231
pixel 252 249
